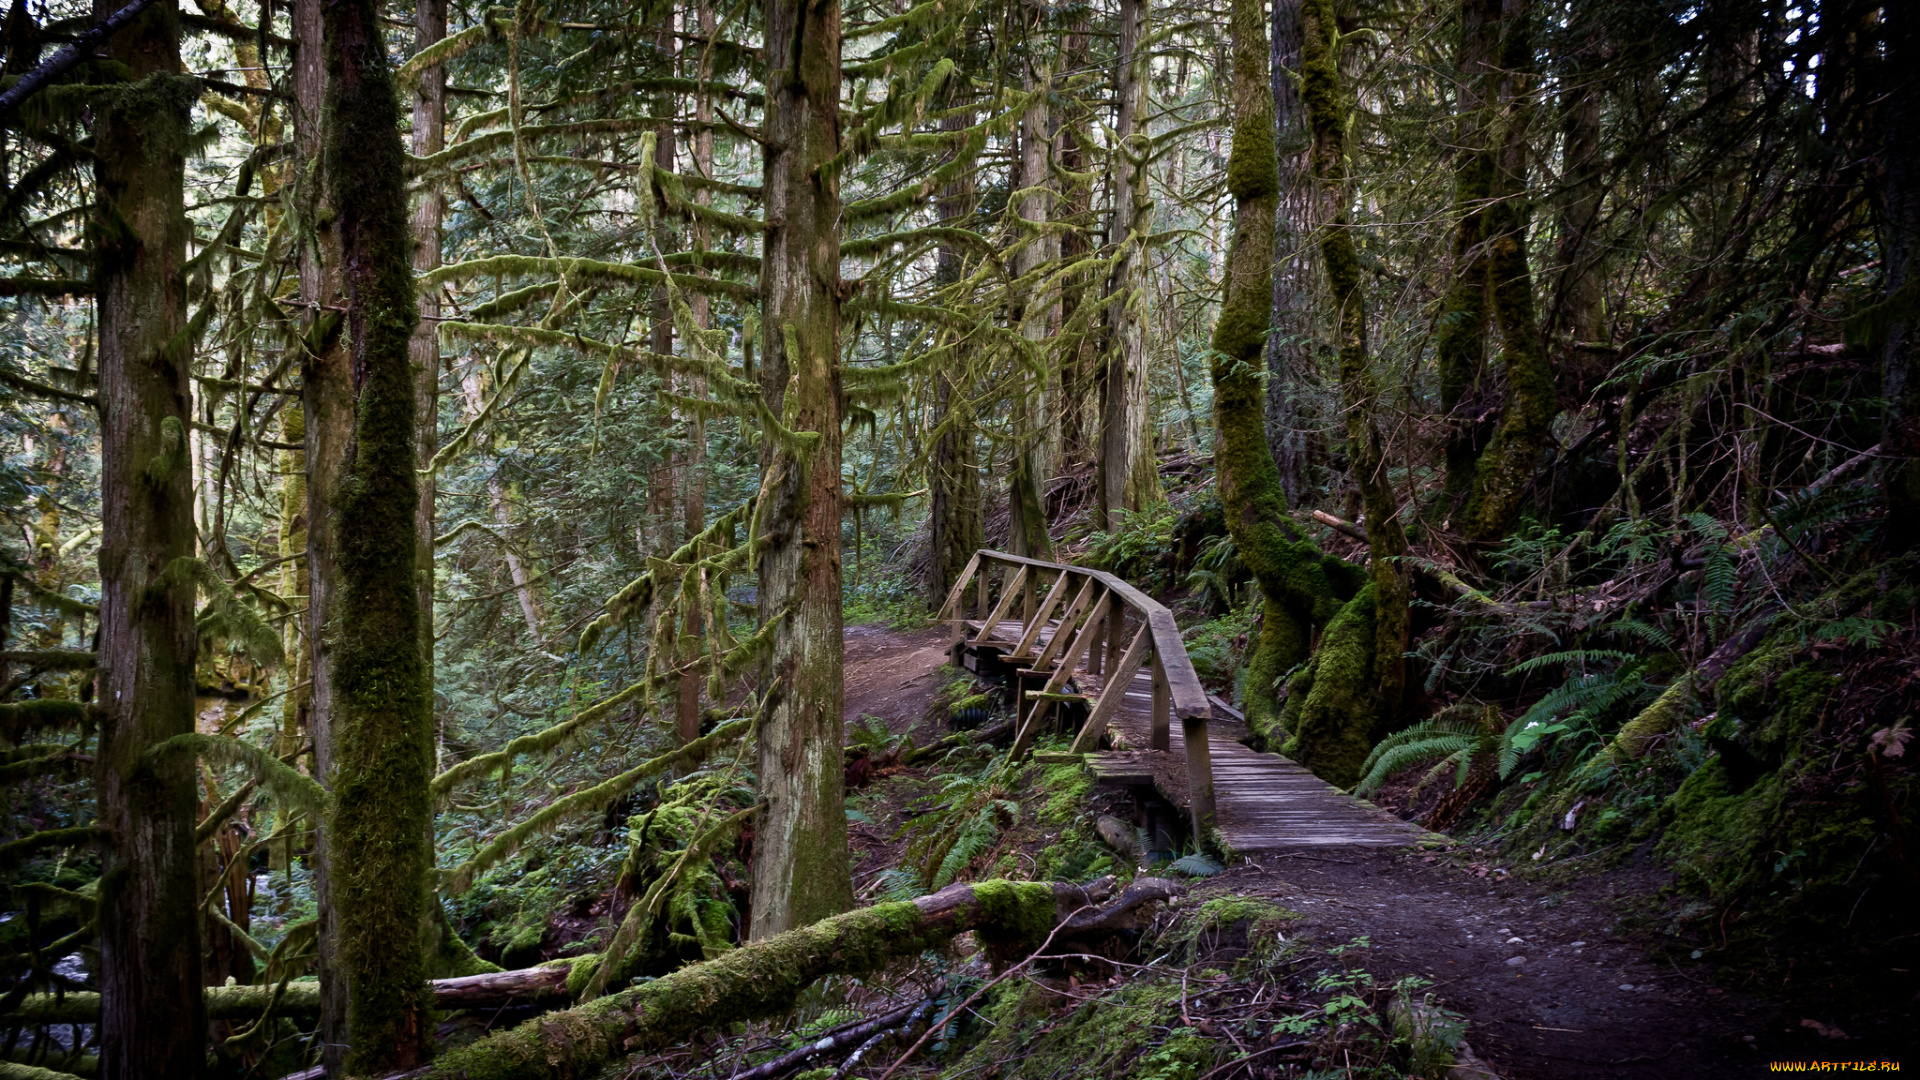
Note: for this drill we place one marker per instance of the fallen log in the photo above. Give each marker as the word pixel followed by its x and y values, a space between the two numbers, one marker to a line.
pixel 765 978
pixel 850 1035
pixel 302 998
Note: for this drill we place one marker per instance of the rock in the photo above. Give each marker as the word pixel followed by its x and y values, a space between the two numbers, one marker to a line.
pixel 1578 945
pixel 1514 941
pixel 1626 986
pixel 1516 961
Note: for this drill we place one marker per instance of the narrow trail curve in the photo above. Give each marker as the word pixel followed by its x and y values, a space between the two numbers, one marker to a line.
pixel 1583 1001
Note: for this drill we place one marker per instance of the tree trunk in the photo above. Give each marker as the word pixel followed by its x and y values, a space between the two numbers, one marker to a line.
pixel 693 479
pixel 1508 464
pixel 1301 588
pixel 800 871
pixel 1461 341
pixel 1128 476
pixel 429 137
pixel 1579 299
pixel 1900 475
pixel 381 722
pixel 152 1021
pixel 1290 361
pixel 326 389
pixel 954 512
pixel 1358 675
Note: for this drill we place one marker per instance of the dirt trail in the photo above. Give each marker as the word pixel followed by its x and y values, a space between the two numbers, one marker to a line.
pixel 1576 997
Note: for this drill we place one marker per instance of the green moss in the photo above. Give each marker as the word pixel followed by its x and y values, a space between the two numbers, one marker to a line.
pixel 1335 726
pixel 1135 1031
pixel 1066 786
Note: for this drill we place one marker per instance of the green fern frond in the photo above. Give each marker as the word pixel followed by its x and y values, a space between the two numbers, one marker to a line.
pixel 1576 657
pixel 1436 744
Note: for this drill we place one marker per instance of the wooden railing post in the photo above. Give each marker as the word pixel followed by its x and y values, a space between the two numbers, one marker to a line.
pixel 1027 597
pixel 1117 616
pixel 1162 730
pixel 986 572
pixel 1193 729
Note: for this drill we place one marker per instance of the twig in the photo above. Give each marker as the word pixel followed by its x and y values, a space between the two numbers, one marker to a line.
pixel 996 981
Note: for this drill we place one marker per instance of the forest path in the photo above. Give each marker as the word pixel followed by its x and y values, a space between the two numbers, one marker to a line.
pixel 1589 1000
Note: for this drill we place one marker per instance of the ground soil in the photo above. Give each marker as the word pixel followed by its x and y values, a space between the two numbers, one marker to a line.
pixel 1552 983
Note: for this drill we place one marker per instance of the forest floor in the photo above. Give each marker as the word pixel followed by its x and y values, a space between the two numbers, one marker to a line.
pixel 1556 979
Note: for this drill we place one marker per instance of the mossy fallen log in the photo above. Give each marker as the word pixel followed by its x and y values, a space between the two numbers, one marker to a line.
pixel 302 998
pixel 766 977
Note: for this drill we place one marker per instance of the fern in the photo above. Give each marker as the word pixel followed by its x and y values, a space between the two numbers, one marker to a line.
pixel 1579 657
pixel 1436 737
pixel 1195 865
pixel 1647 632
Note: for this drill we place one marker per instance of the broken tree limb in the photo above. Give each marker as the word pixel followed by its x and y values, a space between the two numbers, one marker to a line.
pixel 762 978
pixel 851 1035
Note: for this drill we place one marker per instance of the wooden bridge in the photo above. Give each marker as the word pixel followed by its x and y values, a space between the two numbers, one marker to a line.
pixel 1092 645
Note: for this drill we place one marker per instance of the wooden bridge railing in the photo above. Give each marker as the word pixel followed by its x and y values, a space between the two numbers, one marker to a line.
pixel 1101 625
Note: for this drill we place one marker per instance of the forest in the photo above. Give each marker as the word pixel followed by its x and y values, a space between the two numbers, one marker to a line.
pixel 506 510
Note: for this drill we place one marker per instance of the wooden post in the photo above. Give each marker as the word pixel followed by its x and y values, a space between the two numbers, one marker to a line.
pixel 1101 626
pixel 1027 597
pixel 1117 613
pixel 1162 730
pixel 986 574
pixel 1199 773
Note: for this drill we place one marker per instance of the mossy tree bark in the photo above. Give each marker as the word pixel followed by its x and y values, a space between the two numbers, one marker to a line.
pixel 1575 320
pixel 953 475
pixel 326 397
pixel 1300 586
pixel 381 724
pixel 1507 465
pixel 429 137
pixel 800 871
pixel 1358 677
pixel 1128 477
pixel 1461 341
pixel 1290 360
pixel 766 977
pixel 152 1020
pixel 1901 442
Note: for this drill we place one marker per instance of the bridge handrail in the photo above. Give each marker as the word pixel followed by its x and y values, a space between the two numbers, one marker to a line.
pixel 1172 670
pixel 1183 684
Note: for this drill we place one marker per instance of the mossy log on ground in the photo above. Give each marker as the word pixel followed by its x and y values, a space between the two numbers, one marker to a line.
pixel 766 977
pixel 302 998
pixel 1670 708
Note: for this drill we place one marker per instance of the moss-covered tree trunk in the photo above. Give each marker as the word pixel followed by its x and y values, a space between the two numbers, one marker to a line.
pixel 953 474
pixel 380 721
pixel 1900 468
pixel 1128 477
pixel 1290 359
pixel 693 473
pixel 800 866
pixel 1461 339
pixel 1358 676
pixel 1300 586
pixel 152 1020
pixel 1575 321
pixel 326 397
pixel 1508 463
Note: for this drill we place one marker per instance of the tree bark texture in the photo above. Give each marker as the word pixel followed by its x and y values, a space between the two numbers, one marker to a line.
pixel 800 870
pixel 1507 465
pixel 1461 340
pixel 429 137
pixel 954 520
pixel 326 389
pixel 1290 360
pixel 152 1019
pixel 1358 675
pixel 1128 477
pixel 1300 587
pixel 381 723
pixel 1900 444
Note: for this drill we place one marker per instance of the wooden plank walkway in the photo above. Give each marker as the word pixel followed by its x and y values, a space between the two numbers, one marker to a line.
pixel 1263 802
